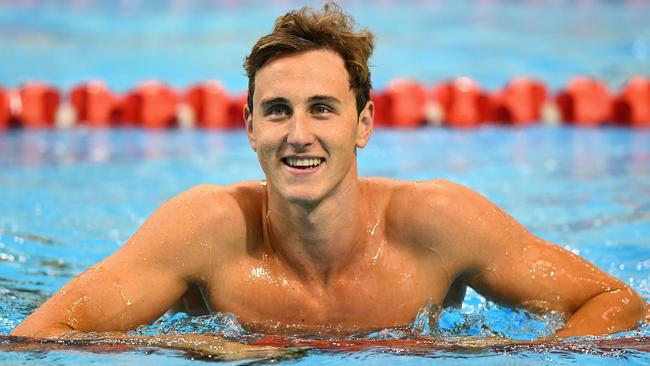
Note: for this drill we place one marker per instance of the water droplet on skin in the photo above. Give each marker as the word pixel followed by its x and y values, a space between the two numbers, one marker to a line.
pixel 406 276
pixel 119 288
pixel 74 309
pixel 192 213
pixel 260 273
pixel 380 250
pixel 374 227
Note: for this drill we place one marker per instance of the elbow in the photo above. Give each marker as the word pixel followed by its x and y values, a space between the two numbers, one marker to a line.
pixel 627 310
pixel 638 309
pixel 613 311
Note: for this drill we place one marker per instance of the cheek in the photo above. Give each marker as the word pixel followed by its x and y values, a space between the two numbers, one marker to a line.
pixel 267 149
pixel 265 141
pixel 343 150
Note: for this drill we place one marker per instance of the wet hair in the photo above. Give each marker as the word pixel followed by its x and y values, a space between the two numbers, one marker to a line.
pixel 308 29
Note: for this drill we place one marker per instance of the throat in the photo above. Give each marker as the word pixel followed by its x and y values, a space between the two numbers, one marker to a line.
pixel 316 242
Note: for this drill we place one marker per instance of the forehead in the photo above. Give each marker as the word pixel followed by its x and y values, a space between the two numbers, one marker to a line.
pixel 302 75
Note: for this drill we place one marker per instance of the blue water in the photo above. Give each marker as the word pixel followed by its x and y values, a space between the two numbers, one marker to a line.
pixel 182 42
pixel 70 198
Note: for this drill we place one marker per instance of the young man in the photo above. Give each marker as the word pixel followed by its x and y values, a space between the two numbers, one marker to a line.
pixel 315 248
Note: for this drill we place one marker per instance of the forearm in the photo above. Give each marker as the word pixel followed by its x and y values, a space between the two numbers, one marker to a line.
pixel 609 312
pixel 196 345
pixel 42 329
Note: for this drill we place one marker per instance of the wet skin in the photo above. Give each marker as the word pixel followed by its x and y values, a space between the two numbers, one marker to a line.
pixel 317 249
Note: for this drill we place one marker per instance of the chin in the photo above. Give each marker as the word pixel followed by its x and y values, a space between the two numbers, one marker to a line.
pixel 303 194
pixel 304 198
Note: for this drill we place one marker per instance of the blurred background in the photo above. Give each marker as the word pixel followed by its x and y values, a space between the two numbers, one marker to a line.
pixel 181 42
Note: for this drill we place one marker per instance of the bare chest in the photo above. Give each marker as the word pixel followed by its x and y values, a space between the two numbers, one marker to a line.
pixel 380 295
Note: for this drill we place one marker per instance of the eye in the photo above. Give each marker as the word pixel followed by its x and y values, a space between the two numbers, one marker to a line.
pixel 321 109
pixel 278 111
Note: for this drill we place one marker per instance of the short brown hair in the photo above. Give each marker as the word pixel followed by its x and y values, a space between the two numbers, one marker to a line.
pixel 308 29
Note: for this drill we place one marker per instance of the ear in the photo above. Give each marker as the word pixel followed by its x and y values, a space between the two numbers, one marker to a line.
pixel 365 124
pixel 248 120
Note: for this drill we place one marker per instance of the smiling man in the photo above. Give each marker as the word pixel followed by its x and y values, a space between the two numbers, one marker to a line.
pixel 314 247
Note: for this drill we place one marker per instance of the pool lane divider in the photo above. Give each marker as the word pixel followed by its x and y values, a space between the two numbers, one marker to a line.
pixel 404 103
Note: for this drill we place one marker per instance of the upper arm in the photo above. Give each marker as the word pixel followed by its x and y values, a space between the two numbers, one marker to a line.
pixel 502 260
pixel 141 280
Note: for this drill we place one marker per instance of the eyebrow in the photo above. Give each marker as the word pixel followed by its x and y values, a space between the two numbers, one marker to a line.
pixel 273 101
pixel 324 98
pixel 313 99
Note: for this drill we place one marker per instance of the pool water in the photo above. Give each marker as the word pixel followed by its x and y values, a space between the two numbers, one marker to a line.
pixel 70 198
pixel 182 42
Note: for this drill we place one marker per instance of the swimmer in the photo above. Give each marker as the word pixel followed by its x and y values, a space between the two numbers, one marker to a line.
pixel 315 248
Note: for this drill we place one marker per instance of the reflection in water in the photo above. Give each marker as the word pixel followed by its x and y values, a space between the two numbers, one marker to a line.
pixel 84 191
pixel 639 155
pixel 589 154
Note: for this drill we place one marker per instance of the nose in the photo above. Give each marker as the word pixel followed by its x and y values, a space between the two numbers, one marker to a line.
pixel 300 135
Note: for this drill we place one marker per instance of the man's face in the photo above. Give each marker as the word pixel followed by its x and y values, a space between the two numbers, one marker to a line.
pixel 305 127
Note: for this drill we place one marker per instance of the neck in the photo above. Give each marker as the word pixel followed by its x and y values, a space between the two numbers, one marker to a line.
pixel 318 240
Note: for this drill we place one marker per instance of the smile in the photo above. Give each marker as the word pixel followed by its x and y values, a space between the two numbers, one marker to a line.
pixel 302 165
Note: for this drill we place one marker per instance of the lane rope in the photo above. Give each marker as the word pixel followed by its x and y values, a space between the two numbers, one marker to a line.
pixel 457 103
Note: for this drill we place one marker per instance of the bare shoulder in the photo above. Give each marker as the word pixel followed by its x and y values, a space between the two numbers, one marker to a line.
pixel 205 217
pixel 420 206
pixel 219 201
pixel 439 212
pixel 214 208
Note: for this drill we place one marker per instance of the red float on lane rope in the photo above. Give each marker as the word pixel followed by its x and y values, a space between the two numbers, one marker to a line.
pixel 5 109
pixel 585 102
pixel 236 110
pixel 406 102
pixel 210 103
pixel 38 105
pixel 151 104
pixel 632 105
pixel 463 102
pixel 381 102
pixel 519 103
pixel 94 103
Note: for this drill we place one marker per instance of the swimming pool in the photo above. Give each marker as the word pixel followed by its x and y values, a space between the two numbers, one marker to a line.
pixel 72 197
pixel 182 42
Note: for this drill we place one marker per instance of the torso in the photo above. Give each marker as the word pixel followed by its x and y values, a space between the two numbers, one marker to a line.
pixel 385 287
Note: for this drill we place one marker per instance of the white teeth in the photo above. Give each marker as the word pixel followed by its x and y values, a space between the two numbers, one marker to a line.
pixel 303 162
